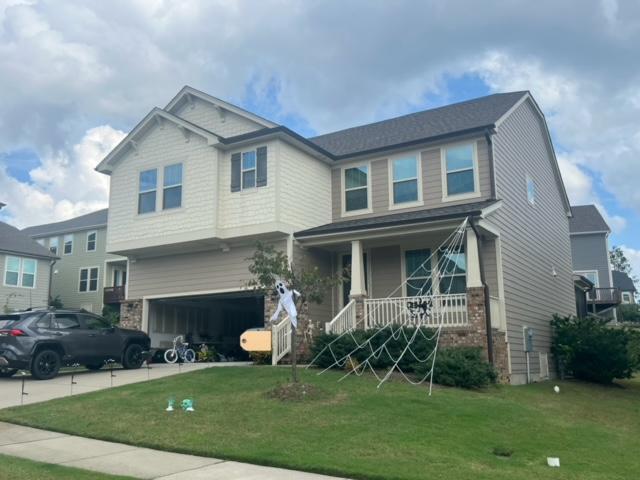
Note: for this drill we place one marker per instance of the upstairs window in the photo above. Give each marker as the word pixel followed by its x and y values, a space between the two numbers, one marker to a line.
pixel 531 190
pixel 88 279
pixel 147 191
pixel 172 183
pixel 405 180
pixel 53 245
pixel 68 244
pixel 460 166
pixel 249 169
pixel 20 272
pixel 356 186
pixel 92 240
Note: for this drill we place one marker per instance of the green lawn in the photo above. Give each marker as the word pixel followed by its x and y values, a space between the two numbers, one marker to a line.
pixel 355 430
pixel 12 468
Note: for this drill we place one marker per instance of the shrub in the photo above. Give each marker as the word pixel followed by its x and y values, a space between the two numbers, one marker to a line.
pixel 590 350
pixel 629 313
pixel 346 344
pixel 260 358
pixel 634 347
pixel 463 367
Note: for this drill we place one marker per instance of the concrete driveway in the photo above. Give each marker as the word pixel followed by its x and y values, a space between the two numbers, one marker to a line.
pixel 87 381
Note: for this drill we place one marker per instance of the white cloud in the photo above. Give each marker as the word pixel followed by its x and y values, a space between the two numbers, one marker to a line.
pixel 64 185
pixel 633 255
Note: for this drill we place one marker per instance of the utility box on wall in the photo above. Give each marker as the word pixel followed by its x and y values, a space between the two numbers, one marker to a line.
pixel 528 339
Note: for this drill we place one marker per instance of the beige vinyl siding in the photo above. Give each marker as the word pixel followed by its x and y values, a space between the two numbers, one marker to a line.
pixel 308 259
pixel 386 271
pixel 18 298
pixel 194 220
pixel 431 182
pixel 304 189
pixel 534 239
pixel 206 271
pixel 488 253
pixel 207 116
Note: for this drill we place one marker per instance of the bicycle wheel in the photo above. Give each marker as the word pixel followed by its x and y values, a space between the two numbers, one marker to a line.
pixel 171 356
pixel 189 355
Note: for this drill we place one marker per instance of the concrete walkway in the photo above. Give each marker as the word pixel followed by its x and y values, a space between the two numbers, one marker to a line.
pixel 119 459
pixel 87 381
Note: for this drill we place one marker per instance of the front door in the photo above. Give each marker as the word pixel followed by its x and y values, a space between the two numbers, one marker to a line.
pixel 346 269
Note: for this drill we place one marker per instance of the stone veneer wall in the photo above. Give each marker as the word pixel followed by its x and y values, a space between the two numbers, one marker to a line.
pixel 131 314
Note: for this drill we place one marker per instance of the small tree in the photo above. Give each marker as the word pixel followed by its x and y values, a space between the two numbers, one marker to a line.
pixel 619 261
pixel 268 265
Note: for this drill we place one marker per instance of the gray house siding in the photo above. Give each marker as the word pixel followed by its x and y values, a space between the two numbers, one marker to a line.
pixel 18 298
pixel 590 252
pixel 431 183
pixel 534 238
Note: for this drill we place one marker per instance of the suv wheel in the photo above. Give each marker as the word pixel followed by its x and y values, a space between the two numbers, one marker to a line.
pixel 46 364
pixel 7 372
pixel 132 357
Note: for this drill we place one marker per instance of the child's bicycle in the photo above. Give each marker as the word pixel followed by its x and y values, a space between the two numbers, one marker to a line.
pixel 181 351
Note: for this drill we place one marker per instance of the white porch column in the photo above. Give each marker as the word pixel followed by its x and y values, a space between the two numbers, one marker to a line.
pixel 357 270
pixel 473 260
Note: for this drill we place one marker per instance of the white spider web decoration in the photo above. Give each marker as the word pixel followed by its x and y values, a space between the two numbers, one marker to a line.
pixel 421 310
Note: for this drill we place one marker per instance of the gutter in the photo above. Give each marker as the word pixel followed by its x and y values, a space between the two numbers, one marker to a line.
pixel 487 299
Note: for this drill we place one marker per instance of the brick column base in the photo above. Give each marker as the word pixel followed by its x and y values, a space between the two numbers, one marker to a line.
pixel 131 314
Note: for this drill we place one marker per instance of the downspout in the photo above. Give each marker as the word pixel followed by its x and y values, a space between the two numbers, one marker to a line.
pixel 492 174
pixel 53 262
pixel 487 300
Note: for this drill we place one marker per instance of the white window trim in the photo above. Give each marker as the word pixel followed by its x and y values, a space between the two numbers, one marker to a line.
pixel 181 185
pixel 20 272
pixel 626 298
pixel 57 245
pixel 64 241
pixel 89 279
pixel 155 190
pixel 582 272
pixel 254 169
pixel 416 203
pixel 95 248
pixel 343 193
pixel 443 173
pixel 528 179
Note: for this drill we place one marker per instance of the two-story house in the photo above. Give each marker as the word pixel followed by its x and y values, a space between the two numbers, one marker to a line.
pixel 626 286
pixel 85 276
pixel 195 184
pixel 26 270
pixel 590 255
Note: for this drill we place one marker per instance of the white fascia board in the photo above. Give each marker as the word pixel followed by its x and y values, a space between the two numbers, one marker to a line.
pixel 105 166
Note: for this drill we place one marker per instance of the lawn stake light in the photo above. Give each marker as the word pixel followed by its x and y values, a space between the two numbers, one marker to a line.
pixel 73 382
pixel 22 392
pixel 111 361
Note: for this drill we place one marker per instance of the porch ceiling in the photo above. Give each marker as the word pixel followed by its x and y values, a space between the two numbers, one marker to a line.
pixel 393 224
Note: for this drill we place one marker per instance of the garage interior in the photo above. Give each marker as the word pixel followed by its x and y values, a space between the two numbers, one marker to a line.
pixel 213 320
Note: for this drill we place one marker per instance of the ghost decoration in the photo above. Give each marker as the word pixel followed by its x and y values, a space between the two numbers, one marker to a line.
pixel 287 302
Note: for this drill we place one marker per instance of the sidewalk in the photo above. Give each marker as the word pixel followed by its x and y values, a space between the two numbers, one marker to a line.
pixel 120 459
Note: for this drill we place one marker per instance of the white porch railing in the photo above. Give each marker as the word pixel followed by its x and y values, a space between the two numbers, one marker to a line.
pixel 345 320
pixel 446 310
pixel 280 340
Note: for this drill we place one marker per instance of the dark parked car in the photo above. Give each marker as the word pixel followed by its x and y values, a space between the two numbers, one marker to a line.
pixel 44 340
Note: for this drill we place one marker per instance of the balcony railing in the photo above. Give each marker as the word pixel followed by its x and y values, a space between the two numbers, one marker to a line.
pixel 430 311
pixel 604 295
pixel 113 295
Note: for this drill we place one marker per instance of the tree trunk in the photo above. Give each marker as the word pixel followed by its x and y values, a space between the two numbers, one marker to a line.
pixel 294 355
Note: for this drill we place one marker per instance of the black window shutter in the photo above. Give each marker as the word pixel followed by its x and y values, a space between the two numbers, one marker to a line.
pixel 235 172
pixel 261 167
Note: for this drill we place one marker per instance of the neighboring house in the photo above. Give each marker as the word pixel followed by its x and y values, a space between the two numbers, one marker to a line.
pixel 85 276
pixel 590 254
pixel 195 184
pixel 625 286
pixel 26 270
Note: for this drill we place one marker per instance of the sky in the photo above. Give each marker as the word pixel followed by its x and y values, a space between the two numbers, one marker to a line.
pixel 76 75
